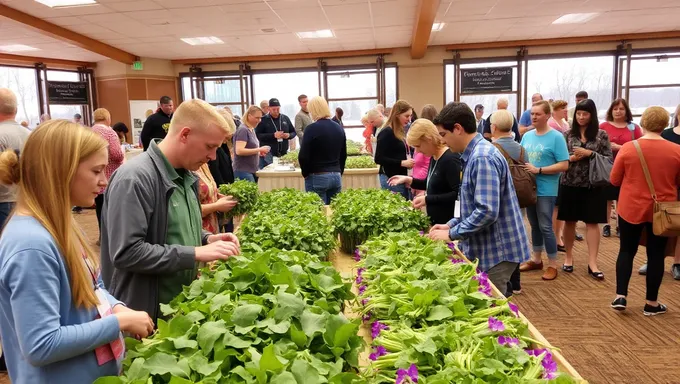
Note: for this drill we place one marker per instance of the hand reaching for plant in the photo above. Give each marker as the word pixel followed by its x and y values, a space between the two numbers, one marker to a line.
pixel 419 202
pixel 226 203
pixel 397 180
pixel 230 237
pixel 218 250
pixel 439 227
pixel 137 323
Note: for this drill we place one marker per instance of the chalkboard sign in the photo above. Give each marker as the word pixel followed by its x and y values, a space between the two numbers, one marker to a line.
pixel 67 92
pixel 486 80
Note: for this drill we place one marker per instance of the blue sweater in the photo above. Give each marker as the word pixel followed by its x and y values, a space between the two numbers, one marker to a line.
pixel 45 338
pixel 323 148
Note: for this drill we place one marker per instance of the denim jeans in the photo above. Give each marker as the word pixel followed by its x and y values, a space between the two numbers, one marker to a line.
pixel 400 189
pixel 240 175
pixel 540 218
pixel 266 160
pixel 325 185
pixel 5 210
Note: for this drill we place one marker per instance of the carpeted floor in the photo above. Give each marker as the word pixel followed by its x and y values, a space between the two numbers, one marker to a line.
pixel 573 313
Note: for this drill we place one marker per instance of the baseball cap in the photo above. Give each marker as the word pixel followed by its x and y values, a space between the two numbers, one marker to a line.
pixel 274 102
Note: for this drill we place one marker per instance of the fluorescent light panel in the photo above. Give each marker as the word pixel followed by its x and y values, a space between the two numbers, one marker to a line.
pixel 436 27
pixel 17 48
pixel 66 3
pixel 575 18
pixel 320 34
pixel 209 40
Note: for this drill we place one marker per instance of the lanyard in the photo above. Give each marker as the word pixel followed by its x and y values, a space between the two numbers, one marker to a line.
pixel 429 175
pixel 272 120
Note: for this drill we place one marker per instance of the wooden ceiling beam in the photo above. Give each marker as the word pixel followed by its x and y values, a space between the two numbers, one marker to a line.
pixel 284 57
pixel 68 36
pixel 565 41
pixel 45 60
pixel 422 28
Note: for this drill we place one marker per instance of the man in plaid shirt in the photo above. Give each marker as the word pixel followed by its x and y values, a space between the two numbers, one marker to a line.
pixel 490 228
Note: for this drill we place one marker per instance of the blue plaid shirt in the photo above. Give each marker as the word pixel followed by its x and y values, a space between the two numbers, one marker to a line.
pixel 491 228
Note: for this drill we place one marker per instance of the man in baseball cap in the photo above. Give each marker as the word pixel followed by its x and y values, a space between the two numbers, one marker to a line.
pixel 274 130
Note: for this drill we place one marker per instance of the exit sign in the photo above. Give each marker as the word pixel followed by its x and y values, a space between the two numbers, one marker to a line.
pixel 137 66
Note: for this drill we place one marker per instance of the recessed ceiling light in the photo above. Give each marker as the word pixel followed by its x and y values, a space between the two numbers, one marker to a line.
pixel 575 18
pixel 17 48
pixel 66 3
pixel 268 30
pixel 320 34
pixel 210 40
pixel 436 27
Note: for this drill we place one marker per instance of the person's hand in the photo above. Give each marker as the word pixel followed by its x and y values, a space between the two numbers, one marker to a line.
pixel 418 201
pixel 440 227
pixel 226 203
pixel 615 146
pixel 278 134
pixel 224 237
pixel 137 323
pixel 582 152
pixel 397 180
pixel 531 168
pixel 439 234
pixel 217 250
pixel 264 150
pixel 408 163
pixel 286 135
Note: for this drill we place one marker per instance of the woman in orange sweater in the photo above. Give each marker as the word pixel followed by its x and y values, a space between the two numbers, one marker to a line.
pixel 635 206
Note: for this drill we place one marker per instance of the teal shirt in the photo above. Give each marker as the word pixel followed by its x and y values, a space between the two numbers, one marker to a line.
pixel 184 228
pixel 543 151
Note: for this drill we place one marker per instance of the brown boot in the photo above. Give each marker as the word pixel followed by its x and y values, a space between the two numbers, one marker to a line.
pixel 530 266
pixel 550 274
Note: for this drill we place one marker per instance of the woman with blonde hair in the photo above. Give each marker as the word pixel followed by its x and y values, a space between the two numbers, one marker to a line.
pixel 56 318
pixel 442 179
pixel 247 150
pixel 558 118
pixel 392 152
pixel 637 200
pixel 323 152
pixel 421 161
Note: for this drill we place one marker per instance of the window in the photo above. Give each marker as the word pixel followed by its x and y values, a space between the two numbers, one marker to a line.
pixel 560 79
pixel 22 82
pixel 352 84
pixel 352 110
pixel 489 102
pixel 449 79
pixel 654 80
pixel 285 86
pixel 391 96
pixel 64 111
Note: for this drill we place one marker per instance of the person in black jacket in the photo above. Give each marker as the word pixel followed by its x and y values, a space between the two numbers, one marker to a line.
pixel 392 152
pixel 274 131
pixel 156 126
pixel 323 152
pixel 443 175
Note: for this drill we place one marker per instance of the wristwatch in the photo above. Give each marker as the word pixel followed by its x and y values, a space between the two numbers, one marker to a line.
pixel 540 171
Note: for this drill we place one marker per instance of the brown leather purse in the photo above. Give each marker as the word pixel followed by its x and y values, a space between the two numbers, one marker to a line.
pixel 666 219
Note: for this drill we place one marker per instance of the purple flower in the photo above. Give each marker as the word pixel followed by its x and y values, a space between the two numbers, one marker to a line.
pixel 362 289
pixel 514 309
pixel 421 233
pixel 549 368
pixel 484 285
pixel 508 341
pixel 452 246
pixel 366 317
pixel 411 374
pixel 496 325
pixel 376 327
pixel 364 301
pixel 456 261
pixel 379 351
pixel 359 278
pixel 357 255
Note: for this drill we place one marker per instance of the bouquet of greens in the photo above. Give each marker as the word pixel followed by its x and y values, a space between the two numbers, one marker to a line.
pixel 245 192
pixel 356 162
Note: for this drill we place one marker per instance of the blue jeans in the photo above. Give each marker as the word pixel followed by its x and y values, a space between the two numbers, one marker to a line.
pixel 240 175
pixel 325 185
pixel 5 210
pixel 540 218
pixel 400 189
pixel 266 160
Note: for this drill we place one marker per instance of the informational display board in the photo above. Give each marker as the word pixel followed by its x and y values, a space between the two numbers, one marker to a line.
pixel 486 80
pixel 138 113
pixel 68 93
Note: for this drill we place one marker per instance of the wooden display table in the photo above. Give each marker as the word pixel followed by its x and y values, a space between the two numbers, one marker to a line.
pixel 269 179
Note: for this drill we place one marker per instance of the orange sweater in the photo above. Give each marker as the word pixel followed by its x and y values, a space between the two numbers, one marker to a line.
pixel 663 160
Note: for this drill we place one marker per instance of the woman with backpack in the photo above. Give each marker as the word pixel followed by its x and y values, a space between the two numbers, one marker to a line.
pixel 548 158
pixel 621 129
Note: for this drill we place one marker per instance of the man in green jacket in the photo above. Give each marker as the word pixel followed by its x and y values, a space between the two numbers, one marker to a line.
pixel 152 236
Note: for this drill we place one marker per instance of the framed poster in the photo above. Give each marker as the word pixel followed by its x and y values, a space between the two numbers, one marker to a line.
pixel 68 93
pixel 139 109
pixel 486 80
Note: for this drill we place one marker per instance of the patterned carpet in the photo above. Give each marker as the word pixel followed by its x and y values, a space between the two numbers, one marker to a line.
pixel 573 313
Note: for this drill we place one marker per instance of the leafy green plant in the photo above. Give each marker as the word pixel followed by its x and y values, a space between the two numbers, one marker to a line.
pixel 289 219
pixel 264 317
pixel 356 162
pixel 361 213
pixel 353 148
pixel 291 158
pixel 245 192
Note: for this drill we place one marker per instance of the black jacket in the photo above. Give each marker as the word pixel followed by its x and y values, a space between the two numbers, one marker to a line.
pixel 221 168
pixel 265 133
pixel 442 190
pixel 323 148
pixel 155 127
pixel 389 153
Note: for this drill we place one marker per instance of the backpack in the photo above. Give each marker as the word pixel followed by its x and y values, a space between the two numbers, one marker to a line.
pixel 524 181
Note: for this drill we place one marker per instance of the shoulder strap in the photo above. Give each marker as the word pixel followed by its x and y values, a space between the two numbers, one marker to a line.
pixel 645 169
pixel 506 154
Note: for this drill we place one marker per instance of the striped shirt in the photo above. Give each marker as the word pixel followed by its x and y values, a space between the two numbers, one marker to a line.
pixel 491 228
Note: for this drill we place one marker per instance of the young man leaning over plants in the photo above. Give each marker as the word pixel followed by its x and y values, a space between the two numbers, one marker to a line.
pixel 152 236
pixel 490 227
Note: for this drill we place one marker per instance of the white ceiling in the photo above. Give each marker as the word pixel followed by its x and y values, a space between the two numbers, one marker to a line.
pixel 152 28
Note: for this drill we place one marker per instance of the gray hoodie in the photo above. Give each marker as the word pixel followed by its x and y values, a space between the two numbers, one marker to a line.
pixel 133 232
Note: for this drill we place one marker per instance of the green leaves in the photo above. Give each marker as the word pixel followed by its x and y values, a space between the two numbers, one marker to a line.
pixel 245 315
pixel 358 162
pixel 209 333
pixel 245 192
